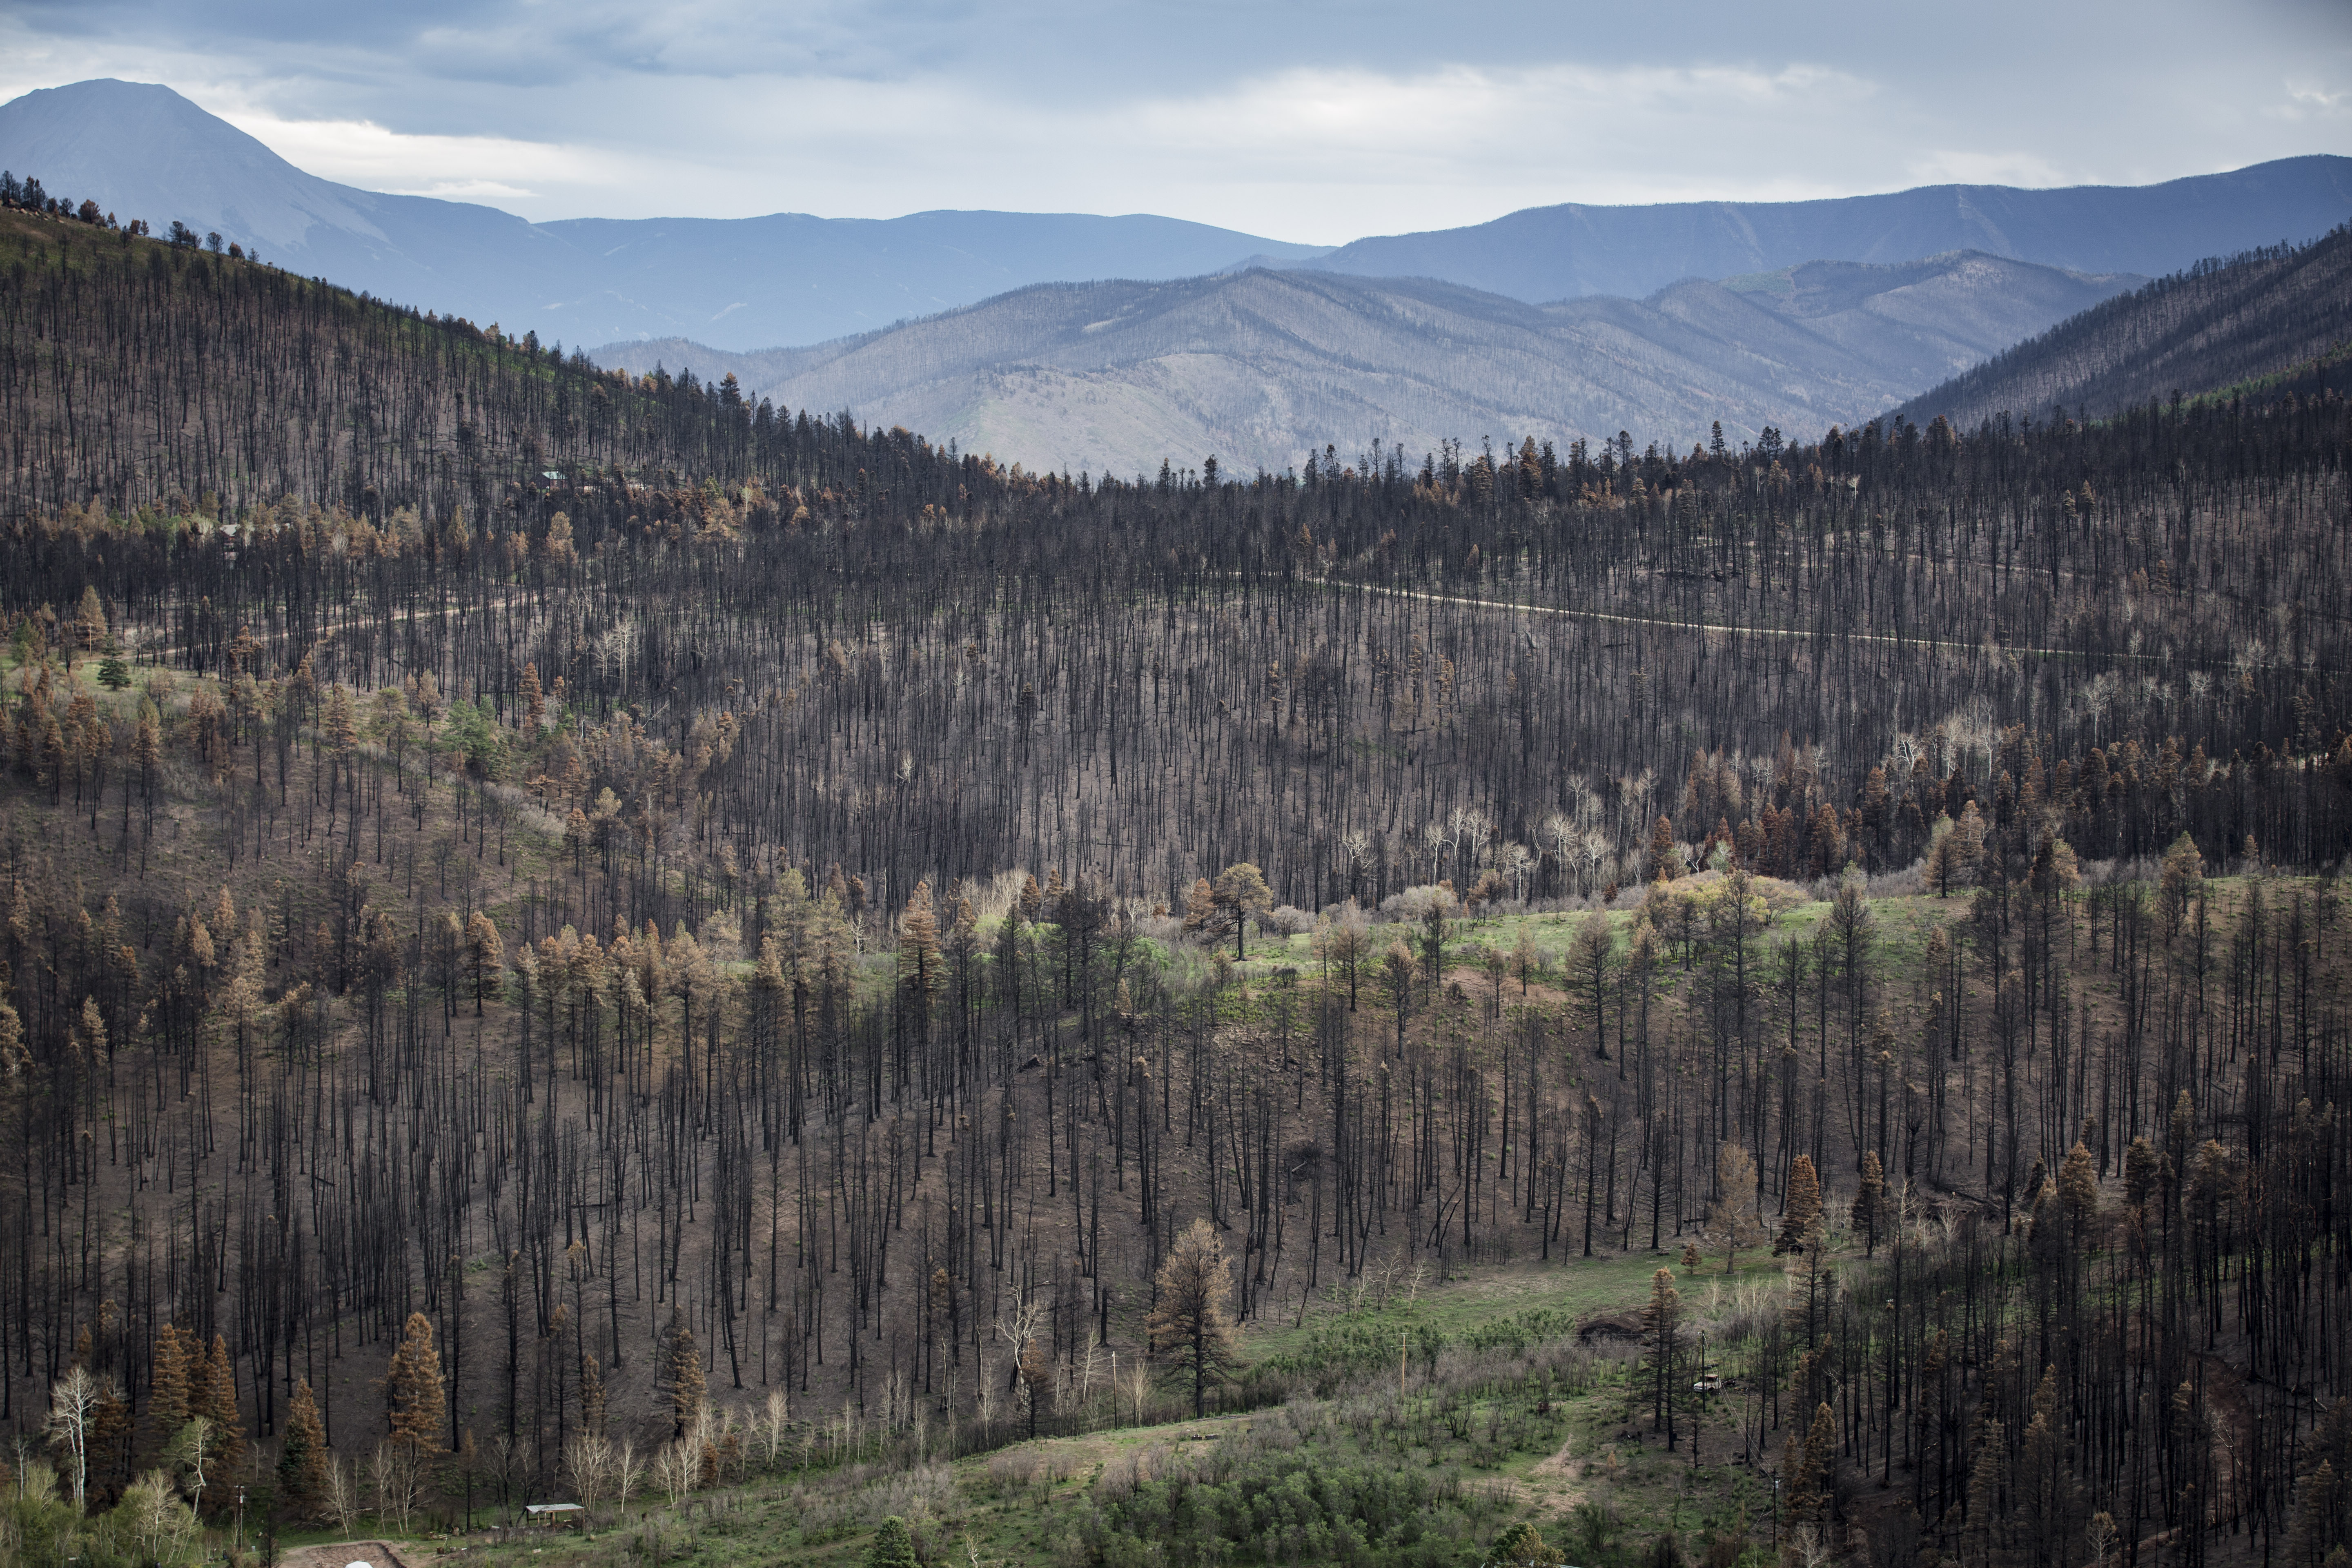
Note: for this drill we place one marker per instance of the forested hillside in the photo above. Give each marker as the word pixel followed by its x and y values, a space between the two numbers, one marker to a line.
pixel 248 384
pixel 547 909
pixel 2263 314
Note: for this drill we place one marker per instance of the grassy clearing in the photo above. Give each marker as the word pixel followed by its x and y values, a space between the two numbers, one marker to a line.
pixel 1490 1429
pixel 1402 1297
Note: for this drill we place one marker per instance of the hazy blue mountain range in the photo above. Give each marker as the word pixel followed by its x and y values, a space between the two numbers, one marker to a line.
pixel 144 150
pixel 1261 367
pixel 1561 252
pixel 2257 316
pixel 835 276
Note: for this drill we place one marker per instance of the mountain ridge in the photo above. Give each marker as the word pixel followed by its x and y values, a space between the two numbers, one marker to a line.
pixel 2192 333
pixel 1574 250
pixel 145 150
pixel 1264 366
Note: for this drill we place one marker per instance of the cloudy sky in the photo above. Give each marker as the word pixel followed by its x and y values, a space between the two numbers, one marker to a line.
pixel 1305 119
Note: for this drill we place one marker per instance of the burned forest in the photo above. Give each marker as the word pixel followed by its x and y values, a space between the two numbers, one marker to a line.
pixel 568 932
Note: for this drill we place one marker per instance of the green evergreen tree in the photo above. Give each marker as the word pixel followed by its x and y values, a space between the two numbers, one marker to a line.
pixel 893 1547
pixel 1522 1546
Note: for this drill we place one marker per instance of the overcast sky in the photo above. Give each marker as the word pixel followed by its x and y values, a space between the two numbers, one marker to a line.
pixel 1303 120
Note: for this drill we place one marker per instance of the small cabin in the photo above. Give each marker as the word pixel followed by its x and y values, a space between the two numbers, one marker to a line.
pixel 552 1514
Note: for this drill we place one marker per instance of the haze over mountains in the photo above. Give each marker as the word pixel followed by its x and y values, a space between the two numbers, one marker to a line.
pixel 1561 252
pixel 146 152
pixel 983 327
pixel 746 283
pixel 1264 367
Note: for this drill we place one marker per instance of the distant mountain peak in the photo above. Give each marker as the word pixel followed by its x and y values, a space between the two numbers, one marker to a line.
pixel 144 150
pixel 141 150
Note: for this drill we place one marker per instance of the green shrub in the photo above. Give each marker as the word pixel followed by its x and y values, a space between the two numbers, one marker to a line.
pixel 1289 1508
